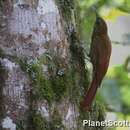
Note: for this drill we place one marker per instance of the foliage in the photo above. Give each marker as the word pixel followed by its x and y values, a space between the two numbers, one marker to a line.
pixel 109 9
pixel 123 5
pixel 116 88
pixel 110 94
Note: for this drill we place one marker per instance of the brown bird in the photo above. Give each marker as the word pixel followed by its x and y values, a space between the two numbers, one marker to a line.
pixel 100 53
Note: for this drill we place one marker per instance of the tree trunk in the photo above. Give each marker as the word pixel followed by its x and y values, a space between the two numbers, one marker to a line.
pixel 42 69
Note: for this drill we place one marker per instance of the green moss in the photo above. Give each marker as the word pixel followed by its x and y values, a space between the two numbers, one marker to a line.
pixel 59 86
pixel 66 7
pixel 67 85
pixel 42 87
pixel 20 125
pixel 39 122
pixel 56 122
pixel 53 88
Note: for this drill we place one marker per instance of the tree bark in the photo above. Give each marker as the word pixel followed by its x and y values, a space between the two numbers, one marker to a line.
pixel 42 68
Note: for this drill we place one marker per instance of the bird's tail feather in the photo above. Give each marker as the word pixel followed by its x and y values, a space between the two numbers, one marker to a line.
pixel 89 97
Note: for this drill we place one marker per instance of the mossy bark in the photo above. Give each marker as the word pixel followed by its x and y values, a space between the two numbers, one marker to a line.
pixel 51 59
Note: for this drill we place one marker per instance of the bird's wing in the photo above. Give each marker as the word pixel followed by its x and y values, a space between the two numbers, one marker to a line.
pixel 94 54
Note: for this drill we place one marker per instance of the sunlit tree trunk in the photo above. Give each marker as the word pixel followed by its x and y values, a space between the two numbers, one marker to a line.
pixel 42 69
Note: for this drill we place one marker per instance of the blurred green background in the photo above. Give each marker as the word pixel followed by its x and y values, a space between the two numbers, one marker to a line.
pixel 115 90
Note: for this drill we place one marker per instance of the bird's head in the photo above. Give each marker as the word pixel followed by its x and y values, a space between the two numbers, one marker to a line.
pixel 100 26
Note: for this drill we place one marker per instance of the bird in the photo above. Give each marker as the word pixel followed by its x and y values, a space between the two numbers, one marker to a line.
pixel 100 52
